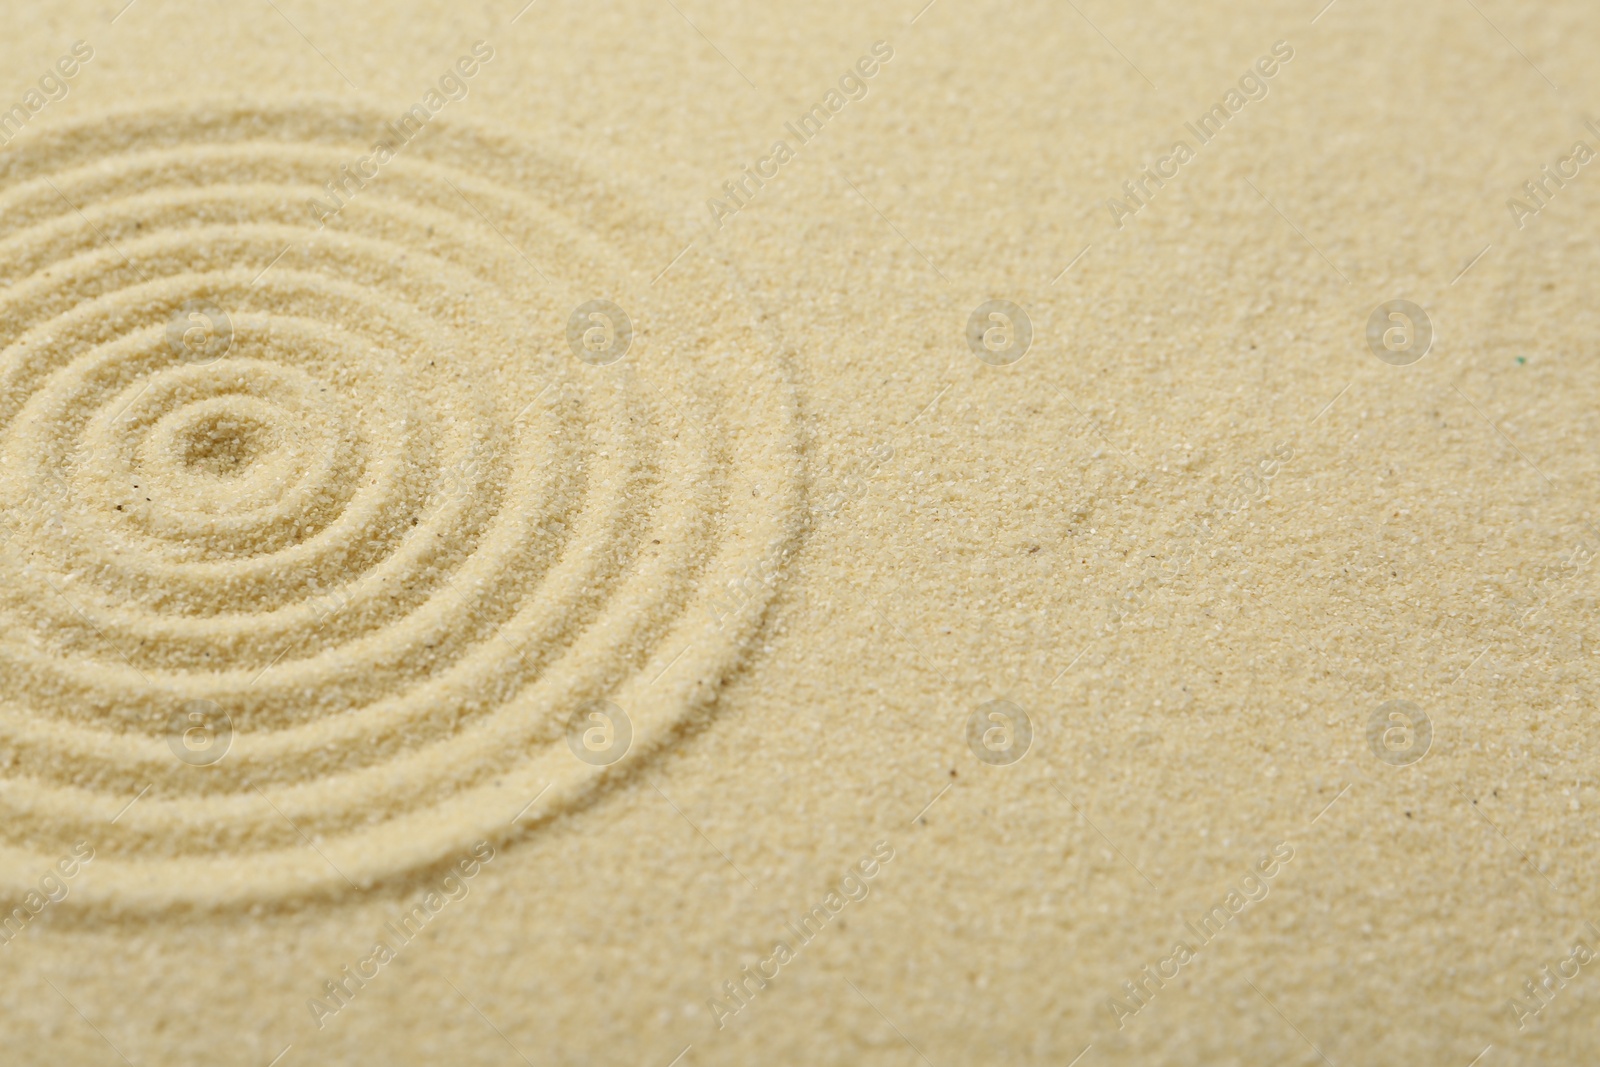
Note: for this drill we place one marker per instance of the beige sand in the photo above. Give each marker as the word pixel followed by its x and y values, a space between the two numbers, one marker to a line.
pixel 685 534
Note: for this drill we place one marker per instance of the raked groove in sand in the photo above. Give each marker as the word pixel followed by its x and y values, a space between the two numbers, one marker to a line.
pixel 349 492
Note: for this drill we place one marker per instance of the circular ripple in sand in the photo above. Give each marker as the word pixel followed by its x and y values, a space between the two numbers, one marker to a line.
pixel 379 516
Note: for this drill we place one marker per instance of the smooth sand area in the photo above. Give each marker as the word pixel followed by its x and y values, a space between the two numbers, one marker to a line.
pixel 685 533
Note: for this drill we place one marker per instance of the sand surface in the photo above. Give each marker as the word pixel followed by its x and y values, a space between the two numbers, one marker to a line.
pixel 686 533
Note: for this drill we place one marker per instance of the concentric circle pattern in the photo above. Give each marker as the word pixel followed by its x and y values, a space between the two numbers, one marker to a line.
pixel 379 517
